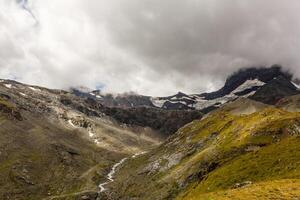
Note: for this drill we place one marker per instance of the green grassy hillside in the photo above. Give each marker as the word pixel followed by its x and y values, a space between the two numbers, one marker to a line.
pixel 223 153
pixel 285 189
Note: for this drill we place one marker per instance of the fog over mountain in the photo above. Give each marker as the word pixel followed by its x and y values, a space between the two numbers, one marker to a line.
pixel 147 46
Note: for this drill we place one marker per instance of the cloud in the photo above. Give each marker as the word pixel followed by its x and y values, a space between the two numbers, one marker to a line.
pixel 24 5
pixel 147 46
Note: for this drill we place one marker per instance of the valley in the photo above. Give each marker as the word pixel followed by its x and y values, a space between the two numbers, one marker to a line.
pixel 241 143
pixel 51 151
pixel 149 100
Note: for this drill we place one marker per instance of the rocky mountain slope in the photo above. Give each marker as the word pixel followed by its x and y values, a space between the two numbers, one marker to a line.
pixel 166 122
pixel 78 138
pixel 50 149
pixel 291 103
pixel 267 85
pixel 231 154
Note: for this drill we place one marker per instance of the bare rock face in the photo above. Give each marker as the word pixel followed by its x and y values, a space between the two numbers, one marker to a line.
pixel 275 90
pixel 238 78
pixel 165 121
pixel 243 184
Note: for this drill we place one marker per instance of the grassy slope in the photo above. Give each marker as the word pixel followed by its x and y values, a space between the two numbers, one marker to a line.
pixel 40 159
pixel 217 153
pixel 285 189
pixel 278 161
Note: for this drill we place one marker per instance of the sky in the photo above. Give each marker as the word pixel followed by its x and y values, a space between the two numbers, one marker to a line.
pixel 150 47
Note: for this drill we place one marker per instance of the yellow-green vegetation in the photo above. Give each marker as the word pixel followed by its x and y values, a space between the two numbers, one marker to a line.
pixel 277 161
pixel 8 110
pixel 6 107
pixel 219 153
pixel 5 103
pixel 285 189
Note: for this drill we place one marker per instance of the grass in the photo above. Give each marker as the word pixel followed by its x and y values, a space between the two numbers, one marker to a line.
pixel 6 104
pixel 277 161
pixel 285 189
pixel 219 152
pixel 276 135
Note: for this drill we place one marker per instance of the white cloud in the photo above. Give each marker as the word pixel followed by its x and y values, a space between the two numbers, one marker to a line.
pixel 147 46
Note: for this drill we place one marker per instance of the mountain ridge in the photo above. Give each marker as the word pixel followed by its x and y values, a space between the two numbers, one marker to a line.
pixel 246 139
pixel 245 82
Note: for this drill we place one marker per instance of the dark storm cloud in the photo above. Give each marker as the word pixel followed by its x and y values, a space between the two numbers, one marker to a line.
pixel 147 46
pixel 209 36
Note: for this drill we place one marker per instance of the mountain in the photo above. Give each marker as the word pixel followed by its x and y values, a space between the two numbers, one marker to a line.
pixel 56 144
pixel 291 103
pixel 166 122
pixel 241 106
pixel 275 90
pixel 262 75
pixel 227 155
pixel 127 100
pixel 267 85
pixel 48 148
pixel 240 142
pixel 255 83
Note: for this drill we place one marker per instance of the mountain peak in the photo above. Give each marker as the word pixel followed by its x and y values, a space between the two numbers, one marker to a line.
pixel 264 74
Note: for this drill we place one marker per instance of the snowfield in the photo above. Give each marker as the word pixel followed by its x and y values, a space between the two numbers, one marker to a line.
pixel 200 103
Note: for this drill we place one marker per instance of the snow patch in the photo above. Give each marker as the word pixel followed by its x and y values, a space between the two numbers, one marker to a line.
pixel 248 85
pixel 250 94
pixel 296 85
pixel 138 154
pixel 158 102
pixel 9 86
pixel 91 134
pixel 222 100
pixel 188 98
pixel 34 89
pixel 71 123
pixel 174 102
pixel 24 95
pixel 202 103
